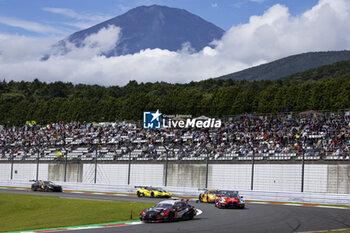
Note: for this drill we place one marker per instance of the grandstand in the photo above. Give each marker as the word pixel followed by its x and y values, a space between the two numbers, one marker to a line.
pixel 312 137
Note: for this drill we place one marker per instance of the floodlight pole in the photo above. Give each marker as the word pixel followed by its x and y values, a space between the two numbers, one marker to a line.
pixel 11 166
pixel 207 168
pixel 96 155
pixel 252 178
pixel 37 162
pixel 166 164
pixel 129 165
pixel 302 171
pixel 65 158
pixel 166 169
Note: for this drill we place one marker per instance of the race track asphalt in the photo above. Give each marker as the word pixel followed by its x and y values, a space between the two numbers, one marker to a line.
pixel 254 218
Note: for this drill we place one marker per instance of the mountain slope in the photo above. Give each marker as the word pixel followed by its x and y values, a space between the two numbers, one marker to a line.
pixel 154 27
pixel 323 73
pixel 289 65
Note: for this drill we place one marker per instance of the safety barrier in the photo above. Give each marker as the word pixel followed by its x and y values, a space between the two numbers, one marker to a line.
pixel 317 198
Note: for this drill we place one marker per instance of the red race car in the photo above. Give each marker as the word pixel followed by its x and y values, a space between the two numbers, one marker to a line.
pixel 229 199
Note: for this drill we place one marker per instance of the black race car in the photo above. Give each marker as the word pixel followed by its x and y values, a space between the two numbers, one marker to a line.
pixel 46 186
pixel 169 210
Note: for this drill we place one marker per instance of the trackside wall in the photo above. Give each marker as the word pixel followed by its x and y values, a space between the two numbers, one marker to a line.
pixel 140 174
pixel 284 177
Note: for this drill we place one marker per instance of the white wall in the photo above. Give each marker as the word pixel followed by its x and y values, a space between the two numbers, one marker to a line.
pixel 315 178
pixel 319 178
pixel 277 177
pixel 146 174
pixel 230 176
pixel 27 171
pixel 5 171
pixel 106 173
pixel 140 174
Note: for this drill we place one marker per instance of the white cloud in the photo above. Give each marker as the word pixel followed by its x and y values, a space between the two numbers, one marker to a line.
pixel 83 20
pixel 238 4
pixel 258 1
pixel 267 37
pixel 276 33
pixel 74 15
pixel 17 49
pixel 28 25
pixel 123 8
pixel 215 5
pixel 95 45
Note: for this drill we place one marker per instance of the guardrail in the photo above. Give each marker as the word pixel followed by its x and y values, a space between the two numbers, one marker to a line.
pixel 317 198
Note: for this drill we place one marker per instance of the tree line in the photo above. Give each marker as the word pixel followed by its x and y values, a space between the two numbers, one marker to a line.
pixel 59 101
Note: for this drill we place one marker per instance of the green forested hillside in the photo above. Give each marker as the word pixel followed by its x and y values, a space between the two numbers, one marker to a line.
pixel 324 88
pixel 289 65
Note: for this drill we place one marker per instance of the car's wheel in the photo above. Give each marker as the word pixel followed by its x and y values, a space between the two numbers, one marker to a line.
pixel 191 215
pixel 171 217
pixel 188 216
pixel 152 194
pixel 34 189
pixel 200 198
pixel 138 194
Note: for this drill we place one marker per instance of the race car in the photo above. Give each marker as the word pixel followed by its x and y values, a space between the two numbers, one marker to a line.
pixel 169 210
pixel 147 191
pixel 209 195
pixel 46 186
pixel 229 199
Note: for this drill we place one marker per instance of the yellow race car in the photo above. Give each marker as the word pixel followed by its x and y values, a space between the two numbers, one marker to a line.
pixel 152 192
pixel 209 195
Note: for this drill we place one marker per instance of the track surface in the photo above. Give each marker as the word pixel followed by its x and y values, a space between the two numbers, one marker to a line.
pixel 255 218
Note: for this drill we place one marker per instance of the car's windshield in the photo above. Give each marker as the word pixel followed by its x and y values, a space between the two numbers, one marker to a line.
pixel 164 205
pixel 159 189
pixel 48 182
pixel 230 194
pixel 213 192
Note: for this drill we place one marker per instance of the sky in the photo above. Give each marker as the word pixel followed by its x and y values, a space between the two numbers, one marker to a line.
pixel 257 31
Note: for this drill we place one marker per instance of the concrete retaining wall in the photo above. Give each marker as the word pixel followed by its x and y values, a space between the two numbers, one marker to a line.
pixel 318 178
pixel 56 172
pixel 187 175
pixel 338 179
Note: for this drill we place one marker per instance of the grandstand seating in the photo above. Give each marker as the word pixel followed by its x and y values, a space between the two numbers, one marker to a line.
pixel 275 139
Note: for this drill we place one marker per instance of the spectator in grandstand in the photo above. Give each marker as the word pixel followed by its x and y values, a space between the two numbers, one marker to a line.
pixel 302 133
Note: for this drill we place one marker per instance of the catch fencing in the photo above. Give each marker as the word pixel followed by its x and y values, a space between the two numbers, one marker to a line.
pixel 254 175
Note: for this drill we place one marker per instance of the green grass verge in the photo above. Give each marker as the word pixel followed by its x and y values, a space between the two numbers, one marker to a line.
pixel 28 212
pixel 339 231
